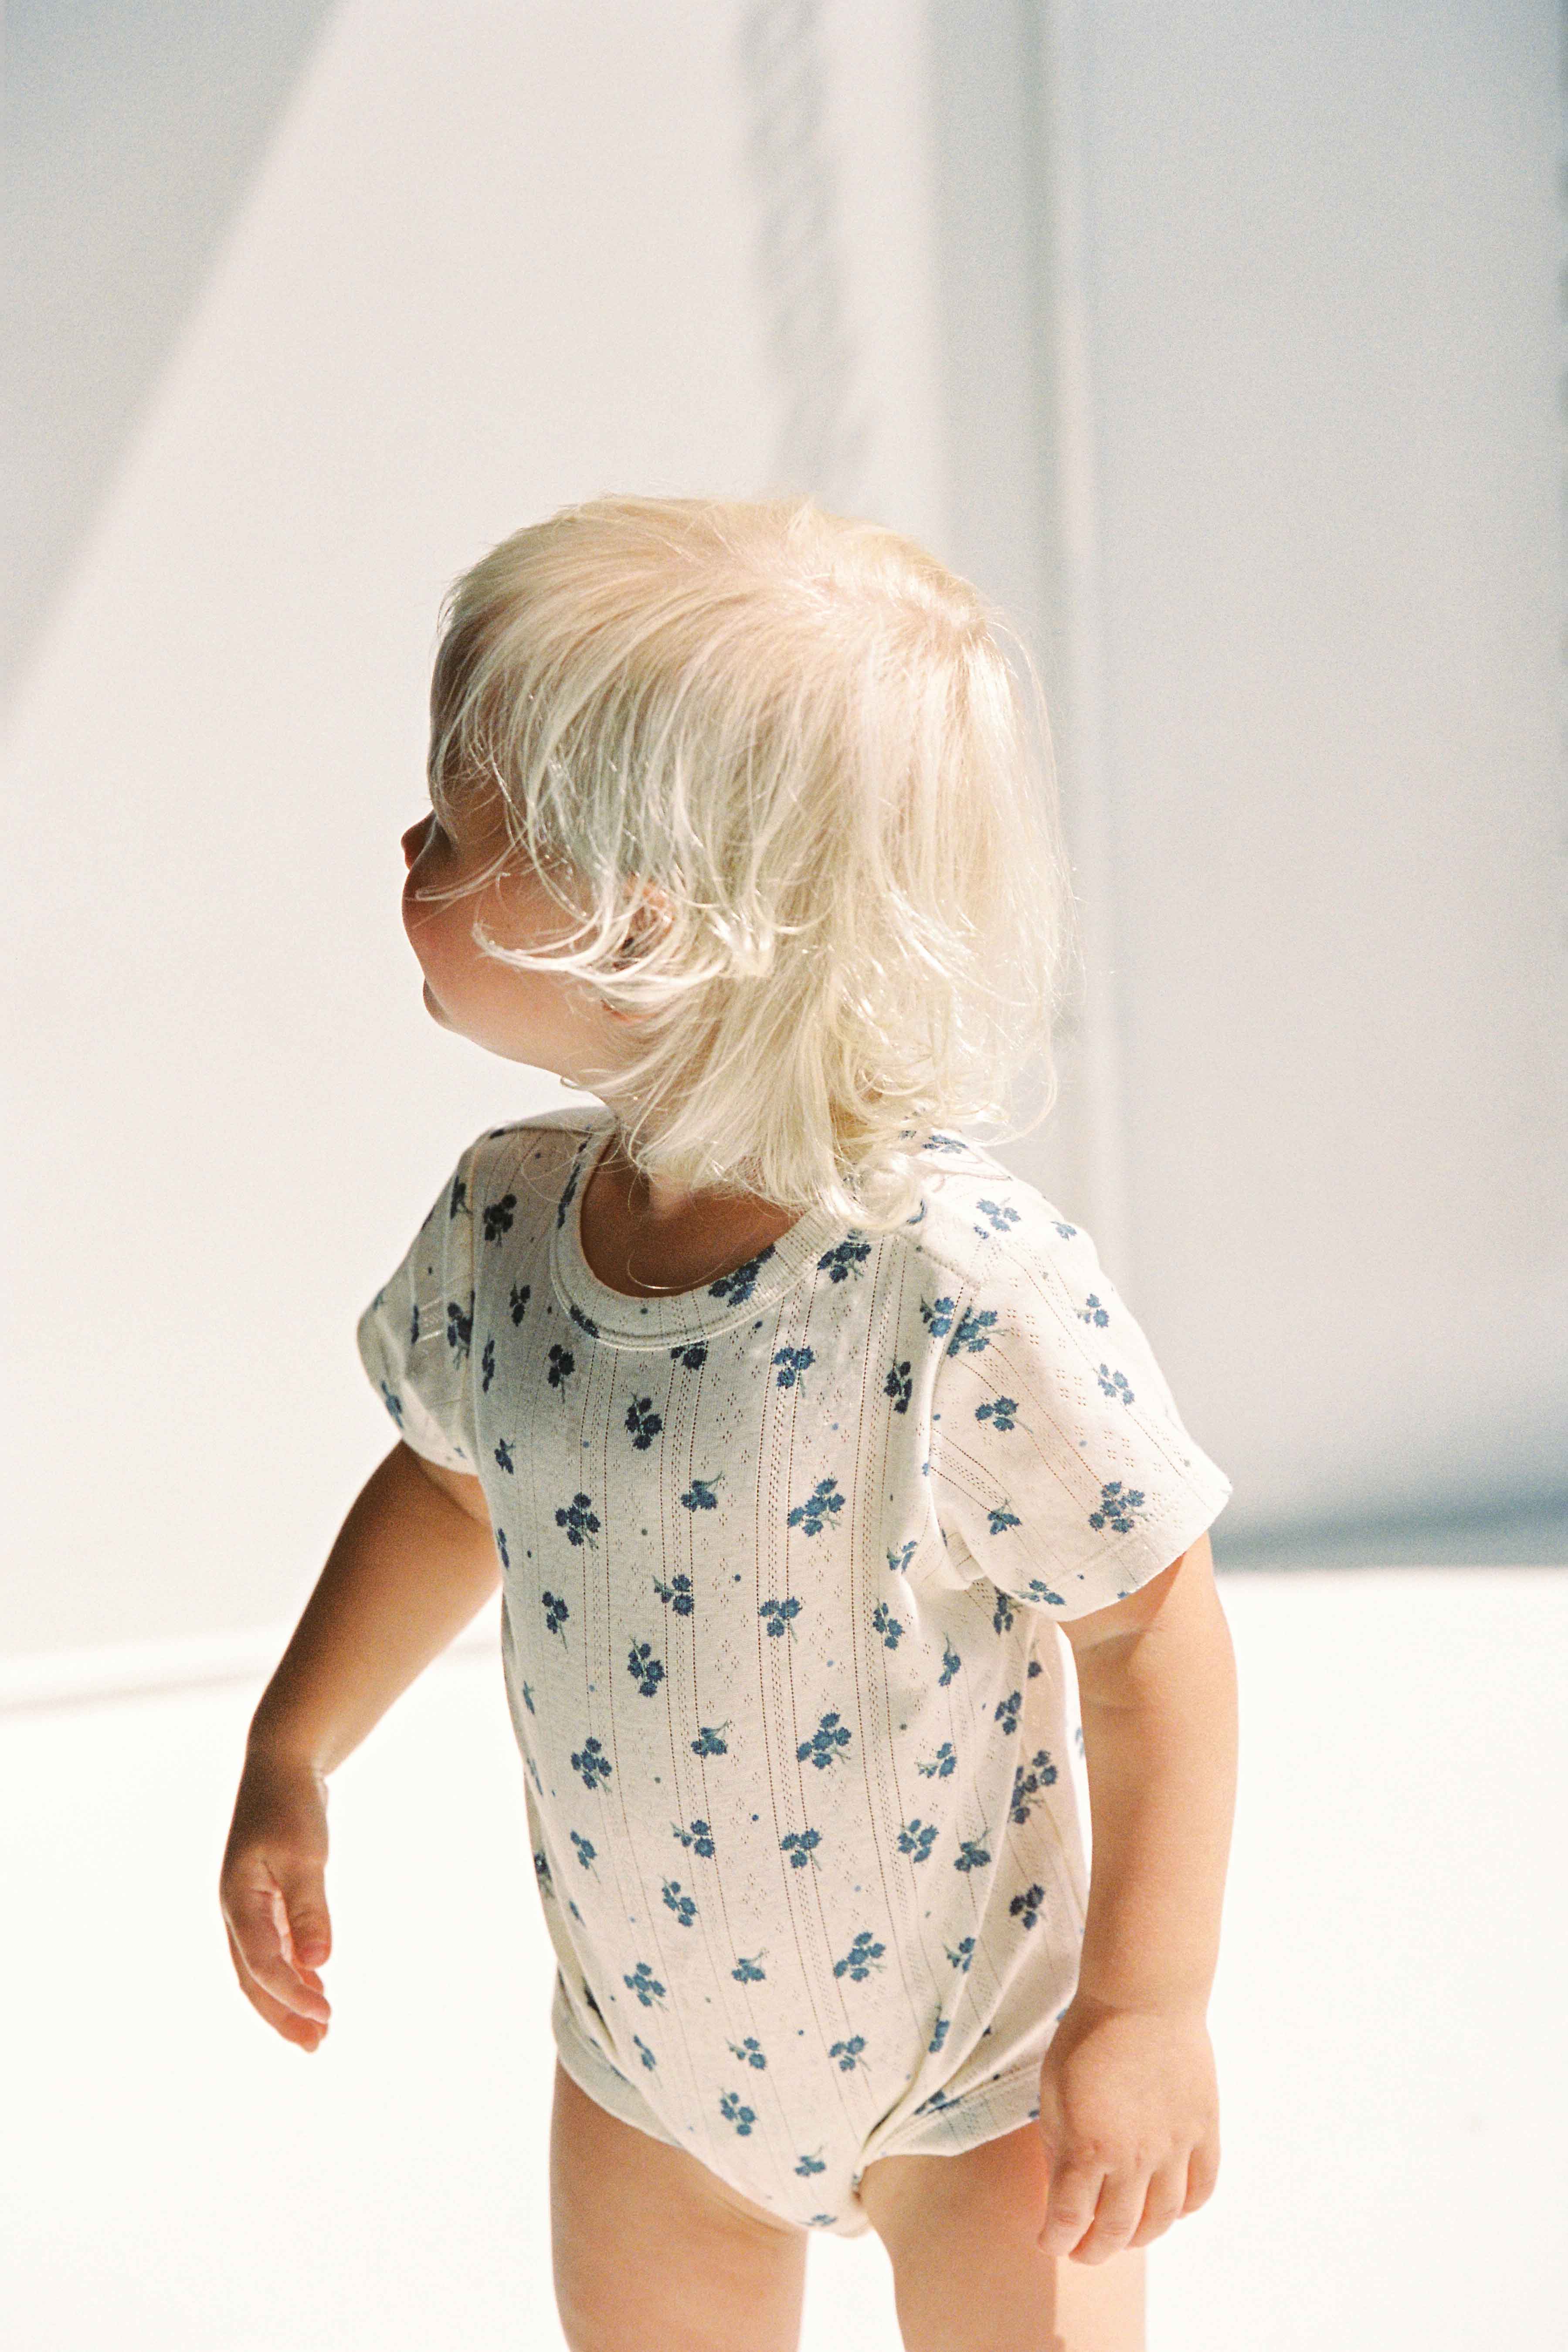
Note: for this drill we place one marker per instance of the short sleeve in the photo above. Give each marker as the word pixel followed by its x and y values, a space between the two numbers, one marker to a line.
pixel 416 1336
pixel 1060 1468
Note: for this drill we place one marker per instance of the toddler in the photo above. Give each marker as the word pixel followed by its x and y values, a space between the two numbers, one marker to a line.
pixel 805 1442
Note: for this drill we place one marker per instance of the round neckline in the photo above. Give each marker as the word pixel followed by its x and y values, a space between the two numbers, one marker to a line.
pixel 678 1316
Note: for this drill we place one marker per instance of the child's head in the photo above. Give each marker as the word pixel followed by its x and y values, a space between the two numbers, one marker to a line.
pixel 771 764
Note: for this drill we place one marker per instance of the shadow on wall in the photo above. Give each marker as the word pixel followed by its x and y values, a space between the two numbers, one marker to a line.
pixel 1533 1536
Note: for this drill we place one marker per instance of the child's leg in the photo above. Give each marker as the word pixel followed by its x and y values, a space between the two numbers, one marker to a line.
pixel 969 2276
pixel 653 2250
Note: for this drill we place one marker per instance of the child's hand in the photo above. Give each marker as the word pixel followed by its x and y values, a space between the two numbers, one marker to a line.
pixel 1129 2115
pixel 272 1891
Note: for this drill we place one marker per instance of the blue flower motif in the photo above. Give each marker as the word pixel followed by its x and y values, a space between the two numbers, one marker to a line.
pixel 940 2036
pixel 693 1357
pixel 748 1973
pixel 951 1662
pixel 1006 1713
pixel 808 2165
pixel 848 2052
pixel 1117 1504
pixel 945 1763
pixel 972 1854
pixel 644 1668
pixel 824 1497
pixel 844 1259
pixel 488 1361
pixel 459 1325
pixel 1115 1384
pixel 592 1763
pixel 555 1614
pixel 998 1412
pixel 801 1847
pixel 676 1594
pixel 738 1287
pixel 939 1315
pixel 586 1853
pixel 645 1984
pixel 861 1958
pixel 884 1622
pixel 1093 1312
pixel 781 1614
pixel 503 1452
pixel 698 1838
pixel 916 1837
pixel 962 1956
pixel 699 1495
pixel 562 1364
pixel 497 1217
pixel 1026 1784
pixel 731 2110
pixel 643 1425
pixel 1002 1615
pixel 517 1300
pixel 644 2051
pixel 748 2052
pixel 579 1521
pixel 970 1335
pixel 501 1547
pixel 583 1322
pixel 822 1748
pixel 792 1363
pixel 683 1906
pixel 708 1742
pixel 1028 1904
pixel 900 1385
pixel 1001 1216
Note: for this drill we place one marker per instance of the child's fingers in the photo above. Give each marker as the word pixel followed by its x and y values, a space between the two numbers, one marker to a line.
pixel 304 2030
pixel 258 1937
pixel 306 1930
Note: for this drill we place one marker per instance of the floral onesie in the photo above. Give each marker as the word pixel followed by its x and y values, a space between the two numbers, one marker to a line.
pixel 781 1557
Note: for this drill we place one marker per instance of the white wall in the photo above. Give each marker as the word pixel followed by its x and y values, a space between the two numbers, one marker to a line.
pixel 1323 251
pixel 492 262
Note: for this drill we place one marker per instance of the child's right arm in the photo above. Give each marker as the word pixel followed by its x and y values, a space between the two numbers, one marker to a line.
pixel 415 1560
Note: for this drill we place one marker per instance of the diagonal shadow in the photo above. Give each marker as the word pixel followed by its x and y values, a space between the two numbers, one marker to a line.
pixel 132 132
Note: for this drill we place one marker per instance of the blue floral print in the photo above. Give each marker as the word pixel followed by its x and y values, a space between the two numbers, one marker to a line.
pixel 779 1554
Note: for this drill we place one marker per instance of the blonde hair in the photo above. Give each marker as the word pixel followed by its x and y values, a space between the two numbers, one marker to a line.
pixel 794 737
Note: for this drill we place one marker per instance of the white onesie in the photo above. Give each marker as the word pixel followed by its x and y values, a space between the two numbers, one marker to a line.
pixel 780 1560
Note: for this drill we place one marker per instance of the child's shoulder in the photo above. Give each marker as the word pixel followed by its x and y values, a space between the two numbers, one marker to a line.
pixel 982 1224
pixel 542 1147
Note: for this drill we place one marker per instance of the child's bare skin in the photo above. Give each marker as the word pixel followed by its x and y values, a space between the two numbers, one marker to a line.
pixel 652 2249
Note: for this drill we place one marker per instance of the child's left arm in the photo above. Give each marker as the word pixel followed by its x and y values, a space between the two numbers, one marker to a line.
pixel 1129 2099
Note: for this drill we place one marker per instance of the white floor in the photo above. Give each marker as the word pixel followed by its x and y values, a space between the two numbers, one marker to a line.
pixel 1388 2017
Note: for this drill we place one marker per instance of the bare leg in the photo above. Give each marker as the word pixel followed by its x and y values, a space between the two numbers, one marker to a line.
pixel 961 2235
pixel 653 2250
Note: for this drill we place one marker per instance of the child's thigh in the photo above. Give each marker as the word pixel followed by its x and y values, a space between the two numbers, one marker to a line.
pixel 968 2273
pixel 650 2248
